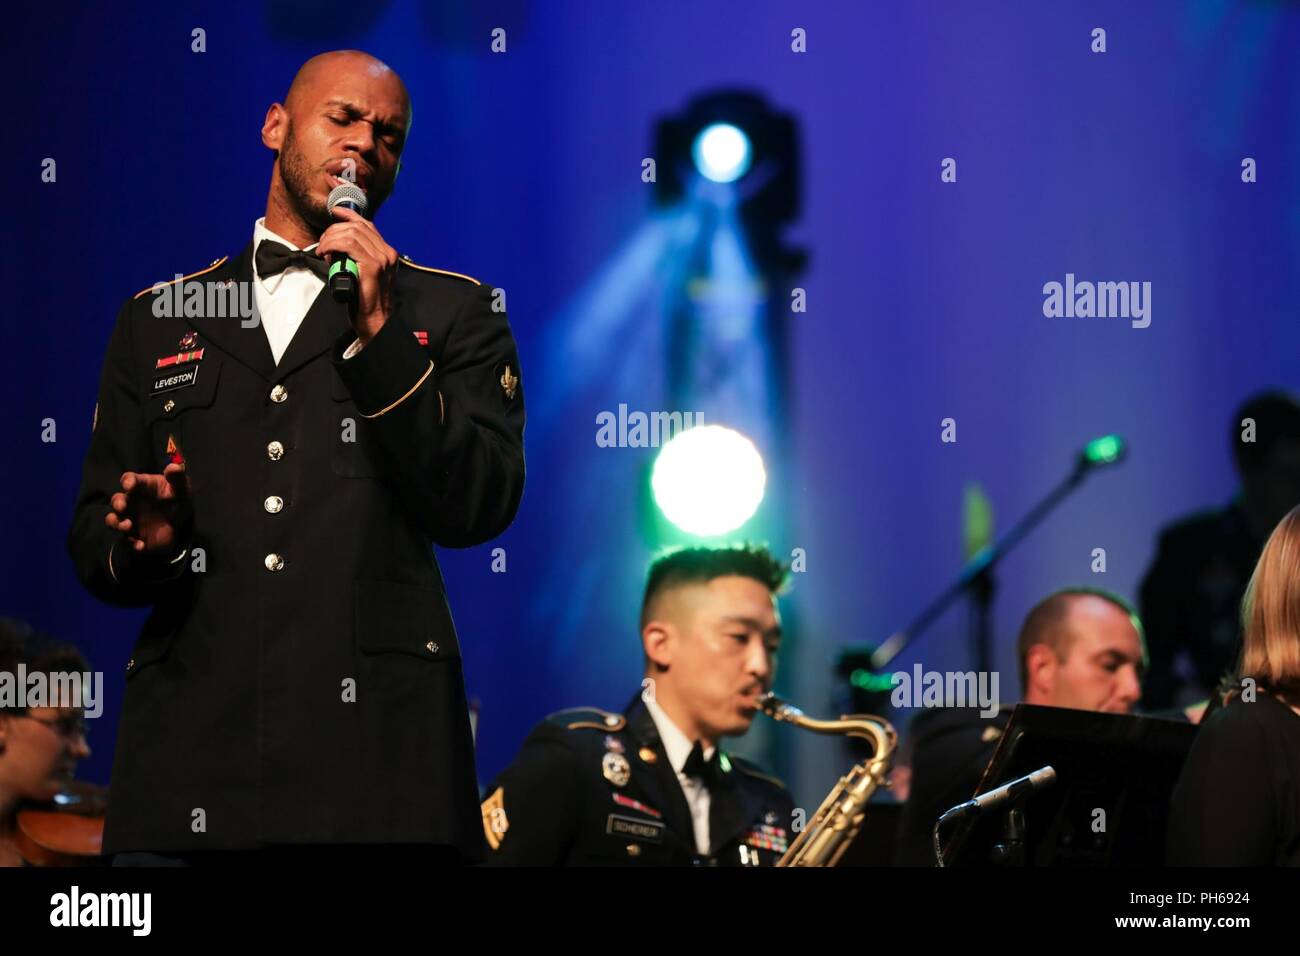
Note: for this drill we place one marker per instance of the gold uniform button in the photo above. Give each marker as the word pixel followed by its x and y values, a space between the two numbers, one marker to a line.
pixel 275 451
pixel 273 504
pixel 433 647
pixel 279 394
pixel 130 663
pixel 274 562
pixel 168 405
pixel 633 850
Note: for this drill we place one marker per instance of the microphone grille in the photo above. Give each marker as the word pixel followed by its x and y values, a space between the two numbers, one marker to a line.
pixel 349 193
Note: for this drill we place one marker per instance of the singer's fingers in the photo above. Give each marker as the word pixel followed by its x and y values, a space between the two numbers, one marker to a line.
pixel 362 226
pixel 387 252
pixel 343 232
pixel 176 477
pixel 138 487
pixel 138 483
pixel 345 237
pixel 118 502
pixel 352 216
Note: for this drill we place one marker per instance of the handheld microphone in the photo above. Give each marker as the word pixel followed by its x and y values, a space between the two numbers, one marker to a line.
pixel 344 276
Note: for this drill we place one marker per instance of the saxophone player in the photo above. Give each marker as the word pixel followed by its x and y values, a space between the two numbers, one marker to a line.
pixel 652 785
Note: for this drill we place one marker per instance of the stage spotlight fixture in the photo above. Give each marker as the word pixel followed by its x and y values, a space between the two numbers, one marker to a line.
pixel 748 153
pixel 722 153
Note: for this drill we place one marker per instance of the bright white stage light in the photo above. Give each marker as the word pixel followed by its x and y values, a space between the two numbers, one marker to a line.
pixel 721 153
pixel 708 480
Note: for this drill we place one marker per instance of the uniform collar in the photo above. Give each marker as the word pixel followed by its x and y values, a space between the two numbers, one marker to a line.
pixel 260 232
pixel 323 325
pixel 676 744
pixel 732 806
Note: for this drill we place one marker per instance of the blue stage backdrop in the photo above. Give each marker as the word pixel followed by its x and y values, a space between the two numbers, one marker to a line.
pixel 924 298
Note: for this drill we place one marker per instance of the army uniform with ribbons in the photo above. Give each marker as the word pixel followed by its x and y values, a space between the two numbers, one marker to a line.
pixel 592 788
pixel 298 680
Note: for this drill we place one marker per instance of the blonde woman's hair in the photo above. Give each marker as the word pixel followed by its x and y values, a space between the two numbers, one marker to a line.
pixel 1270 614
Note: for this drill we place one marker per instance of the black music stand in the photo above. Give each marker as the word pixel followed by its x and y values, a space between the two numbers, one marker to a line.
pixel 1124 765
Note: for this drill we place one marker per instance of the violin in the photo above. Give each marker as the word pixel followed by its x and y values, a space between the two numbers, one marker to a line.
pixel 67 831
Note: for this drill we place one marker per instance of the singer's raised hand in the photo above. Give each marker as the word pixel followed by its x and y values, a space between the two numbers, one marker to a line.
pixel 153 512
pixel 377 260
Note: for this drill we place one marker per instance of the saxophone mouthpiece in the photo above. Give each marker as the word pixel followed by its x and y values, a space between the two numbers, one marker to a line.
pixel 776 708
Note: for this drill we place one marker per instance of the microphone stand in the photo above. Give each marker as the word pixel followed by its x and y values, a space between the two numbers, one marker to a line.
pixel 1011 851
pixel 975 579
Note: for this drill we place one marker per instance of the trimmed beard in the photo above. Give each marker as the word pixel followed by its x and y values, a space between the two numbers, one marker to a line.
pixel 297 177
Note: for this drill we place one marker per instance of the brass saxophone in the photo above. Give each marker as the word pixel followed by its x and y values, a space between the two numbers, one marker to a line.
pixel 837 821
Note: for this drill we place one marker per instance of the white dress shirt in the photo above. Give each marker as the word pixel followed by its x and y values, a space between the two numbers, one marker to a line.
pixel 282 299
pixel 678 747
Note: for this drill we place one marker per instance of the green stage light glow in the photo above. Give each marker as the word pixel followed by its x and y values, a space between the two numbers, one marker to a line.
pixel 1104 451
pixel 708 480
pixel 871 683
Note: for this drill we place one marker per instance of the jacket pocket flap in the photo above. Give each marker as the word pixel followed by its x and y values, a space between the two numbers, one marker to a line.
pixel 155 640
pixel 405 618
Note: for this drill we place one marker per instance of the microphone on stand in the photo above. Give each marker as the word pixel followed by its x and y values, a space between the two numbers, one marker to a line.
pixel 858 662
pixel 1021 786
pixel 1040 779
pixel 344 277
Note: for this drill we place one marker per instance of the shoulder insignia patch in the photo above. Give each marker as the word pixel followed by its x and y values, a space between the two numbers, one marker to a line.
pixel 495 822
pixel 406 261
pixel 159 285
pixel 593 718
pixel 508 379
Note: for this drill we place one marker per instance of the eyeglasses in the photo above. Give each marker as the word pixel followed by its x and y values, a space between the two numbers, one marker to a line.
pixel 69 726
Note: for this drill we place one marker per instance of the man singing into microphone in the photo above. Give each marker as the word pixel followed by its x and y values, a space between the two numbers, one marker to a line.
pixel 272 488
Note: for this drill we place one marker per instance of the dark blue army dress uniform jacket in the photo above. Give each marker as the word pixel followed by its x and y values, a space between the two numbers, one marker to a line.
pixel 591 788
pixel 299 680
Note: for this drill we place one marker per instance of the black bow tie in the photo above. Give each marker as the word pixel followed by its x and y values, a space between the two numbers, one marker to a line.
pixel 273 258
pixel 708 771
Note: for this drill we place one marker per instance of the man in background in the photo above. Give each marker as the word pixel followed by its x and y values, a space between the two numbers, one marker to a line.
pixel 1079 647
pixel 1191 596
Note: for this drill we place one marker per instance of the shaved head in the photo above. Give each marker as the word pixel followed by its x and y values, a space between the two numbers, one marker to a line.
pixel 345 117
pixel 309 77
